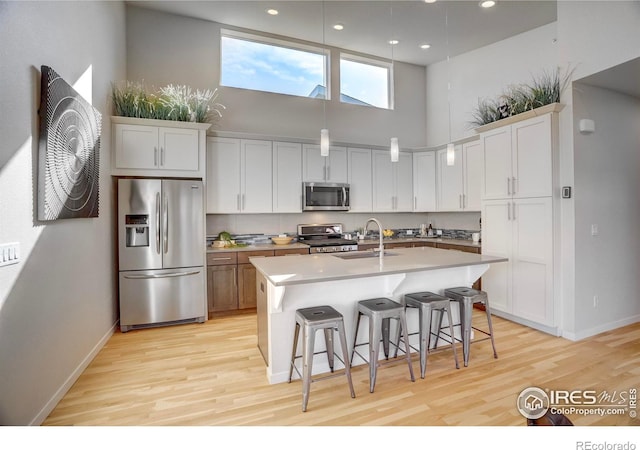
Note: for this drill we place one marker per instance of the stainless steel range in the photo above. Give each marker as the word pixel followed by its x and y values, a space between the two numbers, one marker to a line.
pixel 325 238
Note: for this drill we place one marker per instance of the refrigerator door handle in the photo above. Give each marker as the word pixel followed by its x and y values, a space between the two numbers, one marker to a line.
pixel 166 275
pixel 165 230
pixel 158 222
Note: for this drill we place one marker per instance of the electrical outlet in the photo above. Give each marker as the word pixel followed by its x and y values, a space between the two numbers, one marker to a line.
pixel 9 253
pixel 596 300
pixel 594 229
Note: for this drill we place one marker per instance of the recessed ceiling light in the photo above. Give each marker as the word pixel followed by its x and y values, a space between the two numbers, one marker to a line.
pixel 429 1
pixel 273 12
pixel 394 42
pixel 487 3
pixel 338 27
pixel 425 46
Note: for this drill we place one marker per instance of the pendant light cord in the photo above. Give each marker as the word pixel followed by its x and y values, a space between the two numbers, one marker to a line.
pixel 446 28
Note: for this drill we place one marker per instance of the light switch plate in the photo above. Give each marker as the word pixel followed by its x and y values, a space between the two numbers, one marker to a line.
pixel 9 253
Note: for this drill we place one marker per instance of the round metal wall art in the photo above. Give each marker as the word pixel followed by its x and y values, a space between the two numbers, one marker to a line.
pixel 69 152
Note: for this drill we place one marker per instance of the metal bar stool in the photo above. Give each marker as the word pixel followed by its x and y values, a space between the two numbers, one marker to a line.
pixel 428 303
pixel 311 320
pixel 380 311
pixel 466 297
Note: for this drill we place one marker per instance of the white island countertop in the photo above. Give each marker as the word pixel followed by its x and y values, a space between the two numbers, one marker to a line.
pixel 301 269
pixel 287 283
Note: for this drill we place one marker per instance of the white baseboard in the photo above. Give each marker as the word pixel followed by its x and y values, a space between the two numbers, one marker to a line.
pixel 602 328
pixel 51 404
pixel 536 326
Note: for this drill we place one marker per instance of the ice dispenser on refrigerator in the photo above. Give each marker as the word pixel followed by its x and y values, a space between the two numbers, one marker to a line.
pixel 137 230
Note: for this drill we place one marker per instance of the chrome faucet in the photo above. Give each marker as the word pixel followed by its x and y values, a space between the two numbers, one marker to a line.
pixel 380 234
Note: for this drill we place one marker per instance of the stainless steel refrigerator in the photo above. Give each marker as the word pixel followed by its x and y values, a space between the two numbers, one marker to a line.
pixel 161 238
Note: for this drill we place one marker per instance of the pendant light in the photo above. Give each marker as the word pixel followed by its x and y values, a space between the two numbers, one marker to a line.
pixel 394 149
pixel 324 132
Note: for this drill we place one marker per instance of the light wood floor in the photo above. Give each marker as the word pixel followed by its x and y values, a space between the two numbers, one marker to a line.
pixel 213 374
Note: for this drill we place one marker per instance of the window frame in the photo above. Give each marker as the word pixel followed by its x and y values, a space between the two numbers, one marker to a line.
pixel 282 43
pixel 385 64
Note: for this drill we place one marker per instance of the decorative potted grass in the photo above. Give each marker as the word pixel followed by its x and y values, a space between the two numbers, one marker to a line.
pixel 172 102
pixel 542 95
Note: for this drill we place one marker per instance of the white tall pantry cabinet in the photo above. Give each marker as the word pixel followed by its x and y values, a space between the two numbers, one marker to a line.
pixel 519 173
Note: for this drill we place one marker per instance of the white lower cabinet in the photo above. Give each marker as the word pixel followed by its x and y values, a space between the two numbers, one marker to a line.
pixel 239 176
pixel 520 230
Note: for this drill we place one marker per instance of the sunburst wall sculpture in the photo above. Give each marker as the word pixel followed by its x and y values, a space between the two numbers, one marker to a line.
pixel 69 152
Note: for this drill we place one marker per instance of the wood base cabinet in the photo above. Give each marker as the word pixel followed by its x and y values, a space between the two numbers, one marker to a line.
pixel 231 279
pixel 222 289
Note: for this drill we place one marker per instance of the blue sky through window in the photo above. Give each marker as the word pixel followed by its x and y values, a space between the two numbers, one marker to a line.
pixel 265 67
pixel 365 82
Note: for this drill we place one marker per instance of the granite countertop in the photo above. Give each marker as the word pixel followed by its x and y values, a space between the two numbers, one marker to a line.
pixel 257 247
pixel 340 266
pixel 404 239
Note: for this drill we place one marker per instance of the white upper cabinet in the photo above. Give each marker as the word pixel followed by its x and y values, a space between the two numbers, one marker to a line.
pixel 518 160
pixel 239 176
pixel 330 169
pixel 472 176
pixel 146 147
pixel 392 182
pixel 287 177
pixel 449 181
pixel 424 181
pixel 359 179
pixel 459 184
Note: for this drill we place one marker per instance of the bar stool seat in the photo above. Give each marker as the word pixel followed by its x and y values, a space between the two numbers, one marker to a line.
pixel 427 303
pixel 311 320
pixel 466 297
pixel 379 312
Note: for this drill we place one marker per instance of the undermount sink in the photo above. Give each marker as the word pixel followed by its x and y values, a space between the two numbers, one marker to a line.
pixel 360 255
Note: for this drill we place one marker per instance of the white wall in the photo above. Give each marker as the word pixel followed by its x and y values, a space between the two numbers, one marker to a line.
pixel 164 48
pixel 58 304
pixel 481 74
pixel 592 36
pixel 606 193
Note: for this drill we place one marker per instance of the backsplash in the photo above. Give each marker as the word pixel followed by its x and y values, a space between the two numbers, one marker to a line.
pixel 456 224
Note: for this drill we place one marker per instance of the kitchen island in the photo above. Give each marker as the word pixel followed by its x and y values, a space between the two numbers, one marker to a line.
pixel 341 280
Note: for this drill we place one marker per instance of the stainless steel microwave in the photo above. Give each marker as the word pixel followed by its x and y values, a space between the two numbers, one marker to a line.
pixel 325 196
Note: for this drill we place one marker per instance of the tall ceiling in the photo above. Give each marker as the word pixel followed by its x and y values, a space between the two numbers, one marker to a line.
pixel 451 27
